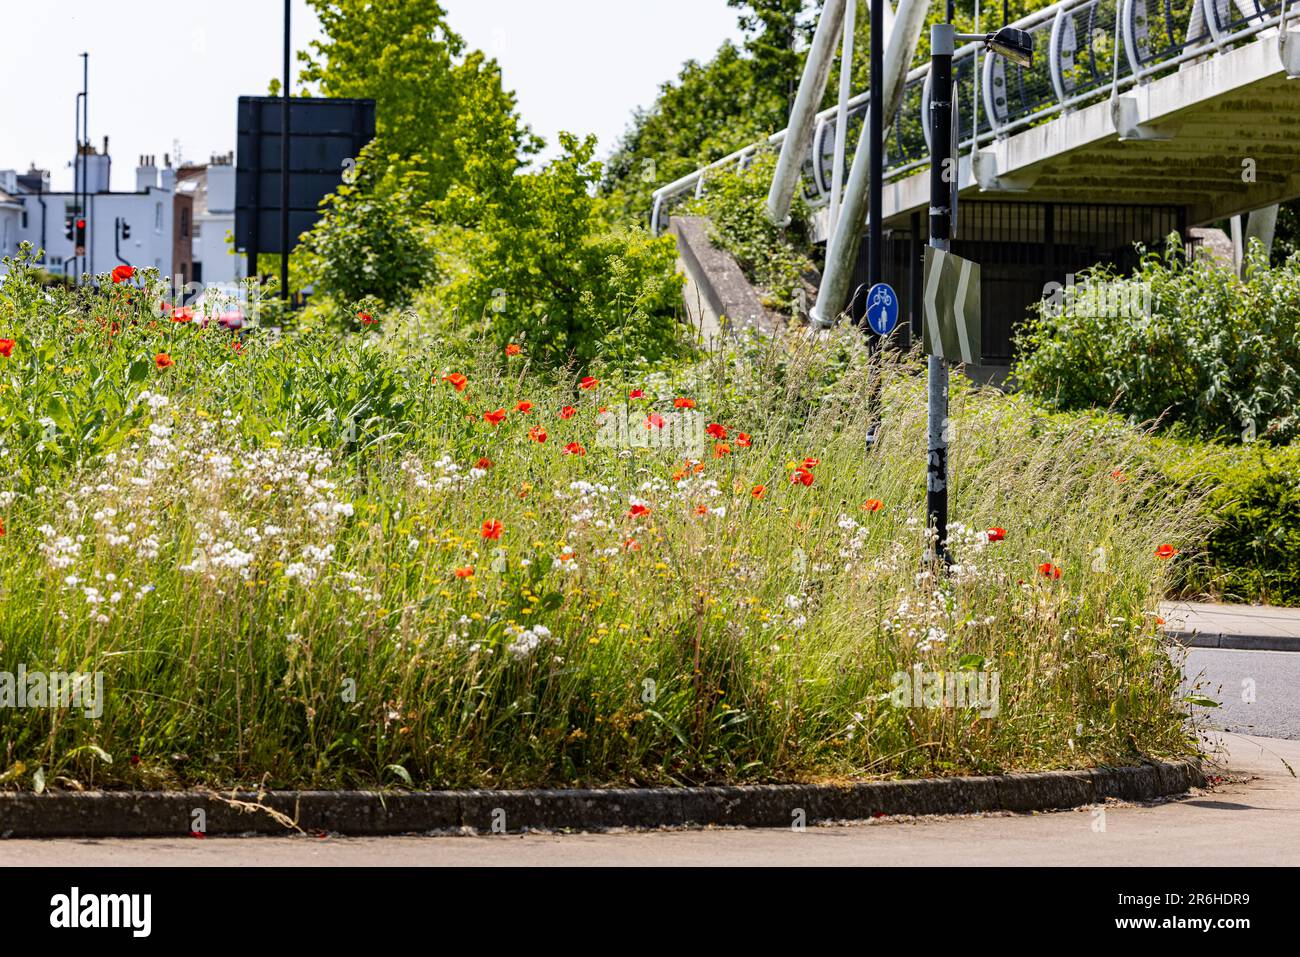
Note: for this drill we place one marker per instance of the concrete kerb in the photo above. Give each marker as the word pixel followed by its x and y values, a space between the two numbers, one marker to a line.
pixel 362 813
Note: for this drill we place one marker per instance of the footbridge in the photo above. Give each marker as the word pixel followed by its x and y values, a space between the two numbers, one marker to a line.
pixel 1136 118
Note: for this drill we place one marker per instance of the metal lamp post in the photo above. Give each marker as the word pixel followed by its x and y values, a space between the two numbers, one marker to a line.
pixel 1017 46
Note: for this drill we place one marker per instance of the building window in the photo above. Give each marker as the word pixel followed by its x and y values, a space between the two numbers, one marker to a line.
pixel 157 217
pixel 198 229
pixel 185 223
pixel 24 226
pixel 198 267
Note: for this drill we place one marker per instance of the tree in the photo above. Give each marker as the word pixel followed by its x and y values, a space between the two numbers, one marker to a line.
pixel 543 267
pixel 372 241
pixel 440 110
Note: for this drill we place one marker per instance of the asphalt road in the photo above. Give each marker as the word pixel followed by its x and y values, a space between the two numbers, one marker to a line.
pixel 1251 818
pixel 1258 691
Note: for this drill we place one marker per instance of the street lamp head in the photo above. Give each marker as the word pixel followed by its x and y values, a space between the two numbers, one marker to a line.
pixel 1016 45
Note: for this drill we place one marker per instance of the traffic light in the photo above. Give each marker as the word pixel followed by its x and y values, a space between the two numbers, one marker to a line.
pixel 67 228
pixel 81 232
pixel 126 229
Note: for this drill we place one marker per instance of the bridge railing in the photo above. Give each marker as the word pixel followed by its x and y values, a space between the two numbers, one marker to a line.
pixel 1084 50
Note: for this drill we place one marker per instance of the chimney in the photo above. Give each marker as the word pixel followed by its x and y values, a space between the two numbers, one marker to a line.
pixel 146 174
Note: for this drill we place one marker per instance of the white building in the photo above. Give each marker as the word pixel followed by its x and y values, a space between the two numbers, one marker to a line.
pixel 149 227
pixel 213 190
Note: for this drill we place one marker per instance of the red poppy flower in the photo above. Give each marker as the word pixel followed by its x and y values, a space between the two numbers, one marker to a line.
pixel 524 406
pixel 720 449
pixel 744 440
pixel 589 382
pixel 801 476
pixel 162 360
pixel 513 349
pixel 465 572
pixel 1048 570
pixel 457 381
pixel 7 347
pixel 183 314
pixel 654 421
pixel 997 534
pixel 537 433
pixel 366 319
pixel 872 505
pixel 122 274
pixel 701 510
pixel 636 394
pixel 573 448
pixel 2 527
pixel 1117 475
pixel 811 462
pixel 683 403
pixel 1166 551
pixel 494 418
pixel 758 491
pixel 716 431
pixel 568 412
pixel 636 511
pixel 236 345
pixel 484 463
pixel 632 545
pixel 492 529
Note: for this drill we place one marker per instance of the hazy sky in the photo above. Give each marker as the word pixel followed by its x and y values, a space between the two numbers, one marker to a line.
pixel 165 74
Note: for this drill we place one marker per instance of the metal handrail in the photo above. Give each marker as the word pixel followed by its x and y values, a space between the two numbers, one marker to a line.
pixel 1126 58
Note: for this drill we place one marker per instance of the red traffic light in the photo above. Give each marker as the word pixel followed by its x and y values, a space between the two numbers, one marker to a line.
pixel 81 224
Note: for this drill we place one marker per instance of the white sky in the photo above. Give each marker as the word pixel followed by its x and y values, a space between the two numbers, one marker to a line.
pixel 168 72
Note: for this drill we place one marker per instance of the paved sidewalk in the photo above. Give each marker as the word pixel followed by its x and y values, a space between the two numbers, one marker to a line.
pixel 1241 627
pixel 1247 820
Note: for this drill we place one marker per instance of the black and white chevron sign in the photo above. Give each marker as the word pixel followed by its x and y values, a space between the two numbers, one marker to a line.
pixel 952 307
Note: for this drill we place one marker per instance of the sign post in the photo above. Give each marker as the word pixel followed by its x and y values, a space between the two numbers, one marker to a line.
pixel 941 198
pixel 949 278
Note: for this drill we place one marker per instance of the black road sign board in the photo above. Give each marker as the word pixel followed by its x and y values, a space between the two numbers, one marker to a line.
pixel 324 134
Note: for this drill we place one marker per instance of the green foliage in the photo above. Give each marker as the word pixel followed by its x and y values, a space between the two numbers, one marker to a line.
pixel 372 240
pixel 439 109
pixel 1253 552
pixel 542 266
pixel 1216 355
pixel 772 257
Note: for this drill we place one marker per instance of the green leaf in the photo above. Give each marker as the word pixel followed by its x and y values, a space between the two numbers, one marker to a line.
pixel 402 773
pixel 1201 700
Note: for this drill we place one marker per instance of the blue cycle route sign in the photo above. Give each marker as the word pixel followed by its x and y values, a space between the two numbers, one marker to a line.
pixel 882 309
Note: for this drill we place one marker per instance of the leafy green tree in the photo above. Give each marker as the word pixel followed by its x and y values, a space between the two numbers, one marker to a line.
pixel 440 109
pixel 542 267
pixel 372 241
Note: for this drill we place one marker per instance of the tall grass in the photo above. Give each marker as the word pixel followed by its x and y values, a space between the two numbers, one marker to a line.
pixel 263 564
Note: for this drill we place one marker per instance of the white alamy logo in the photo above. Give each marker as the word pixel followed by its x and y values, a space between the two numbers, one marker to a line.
pixel 53 689
pixel 682 432
pixel 958 689
pixel 75 909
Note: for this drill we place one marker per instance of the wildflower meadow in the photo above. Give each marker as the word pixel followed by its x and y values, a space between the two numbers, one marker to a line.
pixel 361 557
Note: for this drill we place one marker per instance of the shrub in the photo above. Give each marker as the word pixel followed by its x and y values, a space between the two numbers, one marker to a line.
pixel 544 267
pixel 1253 551
pixel 372 241
pixel 1218 355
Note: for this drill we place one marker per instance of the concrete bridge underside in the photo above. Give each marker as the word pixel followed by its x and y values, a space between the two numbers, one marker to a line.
pixel 1220 136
